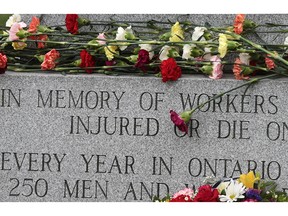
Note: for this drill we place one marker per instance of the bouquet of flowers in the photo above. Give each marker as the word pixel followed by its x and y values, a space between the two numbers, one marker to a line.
pixel 246 188
pixel 164 49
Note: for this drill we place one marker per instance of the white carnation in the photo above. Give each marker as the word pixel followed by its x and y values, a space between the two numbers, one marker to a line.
pixel 244 58
pixel 198 32
pixel 12 19
pixel 164 53
pixel 186 51
pixel 121 33
pixel 286 41
pixel 147 47
pixel 207 56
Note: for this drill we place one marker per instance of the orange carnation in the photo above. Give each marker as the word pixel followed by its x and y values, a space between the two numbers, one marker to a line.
pixel 269 63
pixel 237 70
pixel 33 29
pixel 238 23
pixel 41 45
pixel 49 60
pixel 34 24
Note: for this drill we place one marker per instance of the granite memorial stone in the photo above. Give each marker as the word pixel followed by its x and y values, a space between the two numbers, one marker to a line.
pixel 110 138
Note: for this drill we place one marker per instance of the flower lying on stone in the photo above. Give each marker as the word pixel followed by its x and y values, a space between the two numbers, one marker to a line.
pixel 50 60
pixel 237 70
pixel 181 120
pixel 149 48
pixel 223 46
pixel 198 33
pixel 71 22
pixel 269 63
pixel 3 63
pixel 170 70
pixel 217 72
pixel 102 38
pixel 87 60
pixel 15 18
pixel 177 34
pixel 142 60
pixel 238 23
pixel 15 28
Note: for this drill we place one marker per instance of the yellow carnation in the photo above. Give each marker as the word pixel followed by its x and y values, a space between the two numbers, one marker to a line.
pixel 222 49
pixel 19 45
pixel 110 51
pixel 177 34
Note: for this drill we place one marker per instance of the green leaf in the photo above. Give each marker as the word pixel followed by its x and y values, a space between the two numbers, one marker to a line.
pixel 3 19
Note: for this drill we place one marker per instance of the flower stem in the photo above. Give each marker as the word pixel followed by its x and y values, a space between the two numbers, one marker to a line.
pixel 230 90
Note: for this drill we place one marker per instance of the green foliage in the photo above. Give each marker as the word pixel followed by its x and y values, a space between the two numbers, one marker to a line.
pixel 3 19
pixel 165 199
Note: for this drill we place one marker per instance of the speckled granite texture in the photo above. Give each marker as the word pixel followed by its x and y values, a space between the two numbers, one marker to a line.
pixel 103 138
pixel 46 142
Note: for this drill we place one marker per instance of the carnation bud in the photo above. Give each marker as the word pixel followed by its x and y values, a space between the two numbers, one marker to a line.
pixel 165 36
pixel 22 34
pixel 77 63
pixel 173 53
pixel 133 58
pixel 42 28
pixel 130 36
pixel 196 52
pixel 121 63
pixel 248 24
pixel 186 116
pixel 246 70
pixel 207 35
pixel 136 50
pixel 207 69
pixel 232 45
pixel 40 57
pixel 186 23
pixel 83 22
pixel 93 42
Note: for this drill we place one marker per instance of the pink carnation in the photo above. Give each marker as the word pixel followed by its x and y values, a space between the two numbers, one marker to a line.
pixel 186 192
pixel 15 28
pixel 178 121
pixel 102 38
pixel 250 200
pixel 49 60
pixel 217 72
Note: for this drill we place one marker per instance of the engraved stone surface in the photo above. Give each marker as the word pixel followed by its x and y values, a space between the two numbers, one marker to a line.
pixel 105 138
pixel 200 19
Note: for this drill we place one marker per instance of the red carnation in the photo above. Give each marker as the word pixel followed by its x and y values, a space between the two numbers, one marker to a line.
pixel 207 194
pixel 170 70
pixel 110 63
pixel 178 121
pixel 50 58
pixel 41 45
pixel 3 63
pixel 33 29
pixel 72 23
pixel 181 198
pixel 238 23
pixel 143 59
pixel 87 60
pixel 269 63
